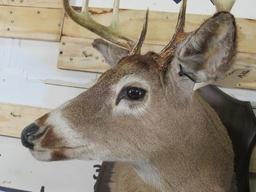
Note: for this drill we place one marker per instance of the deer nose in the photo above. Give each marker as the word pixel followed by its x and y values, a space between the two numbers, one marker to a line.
pixel 28 135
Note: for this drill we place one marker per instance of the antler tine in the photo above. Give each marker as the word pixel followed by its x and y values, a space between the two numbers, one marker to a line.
pixel 169 49
pixel 223 5
pixel 84 19
pixel 85 8
pixel 138 46
pixel 181 18
pixel 115 18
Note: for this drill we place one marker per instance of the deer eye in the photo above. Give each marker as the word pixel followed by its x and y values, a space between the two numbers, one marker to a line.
pixel 131 93
pixel 135 93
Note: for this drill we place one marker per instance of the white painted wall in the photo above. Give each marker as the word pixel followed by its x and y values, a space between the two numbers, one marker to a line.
pixel 24 67
pixel 19 170
pixel 242 8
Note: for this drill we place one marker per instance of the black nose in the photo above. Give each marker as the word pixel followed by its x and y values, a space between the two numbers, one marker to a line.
pixel 28 135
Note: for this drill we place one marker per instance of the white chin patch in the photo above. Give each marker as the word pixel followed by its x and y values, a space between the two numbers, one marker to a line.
pixel 149 174
pixel 42 155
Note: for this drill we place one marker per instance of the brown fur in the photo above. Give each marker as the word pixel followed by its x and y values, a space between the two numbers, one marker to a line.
pixel 171 140
pixel 59 155
pixel 199 147
pixel 40 122
pixel 50 139
pixel 125 179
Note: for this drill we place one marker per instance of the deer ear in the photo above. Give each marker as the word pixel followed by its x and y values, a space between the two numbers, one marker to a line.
pixel 207 53
pixel 111 53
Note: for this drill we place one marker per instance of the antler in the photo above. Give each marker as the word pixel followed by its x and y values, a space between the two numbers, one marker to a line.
pixel 223 5
pixel 109 33
pixel 137 47
pixel 168 51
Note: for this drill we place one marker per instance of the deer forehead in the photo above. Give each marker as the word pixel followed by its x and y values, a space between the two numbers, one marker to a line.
pixel 137 69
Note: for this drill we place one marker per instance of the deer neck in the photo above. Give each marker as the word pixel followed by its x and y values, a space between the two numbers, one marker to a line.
pixel 200 159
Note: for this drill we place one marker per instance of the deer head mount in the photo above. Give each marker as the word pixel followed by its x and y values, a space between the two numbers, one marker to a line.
pixel 143 110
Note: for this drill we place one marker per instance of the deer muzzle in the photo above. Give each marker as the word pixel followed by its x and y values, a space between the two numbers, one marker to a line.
pixel 30 134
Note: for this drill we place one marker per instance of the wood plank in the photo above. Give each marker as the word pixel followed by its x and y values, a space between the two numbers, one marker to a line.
pixel 13 118
pixel 245 61
pixel 249 82
pixel 33 3
pixel 78 54
pixel 161 26
pixel 62 83
pixel 31 23
pixel 243 73
pixel 236 78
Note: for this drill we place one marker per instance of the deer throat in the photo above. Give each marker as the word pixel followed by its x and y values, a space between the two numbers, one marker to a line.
pixel 201 161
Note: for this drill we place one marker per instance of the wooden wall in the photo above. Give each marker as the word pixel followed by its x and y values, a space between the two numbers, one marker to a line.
pixel 15 117
pixel 45 20
pixel 76 52
pixel 38 19
pixel 33 3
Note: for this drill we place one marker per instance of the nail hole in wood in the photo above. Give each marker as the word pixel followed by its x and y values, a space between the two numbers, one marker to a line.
pixel 15 115
pixel 86 54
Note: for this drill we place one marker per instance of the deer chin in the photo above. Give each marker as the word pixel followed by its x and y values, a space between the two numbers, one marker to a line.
pixel 42 155
pixel 51 154
pixel 61 153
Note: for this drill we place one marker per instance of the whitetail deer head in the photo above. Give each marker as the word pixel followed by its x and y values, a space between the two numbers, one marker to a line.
pixel 144 110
